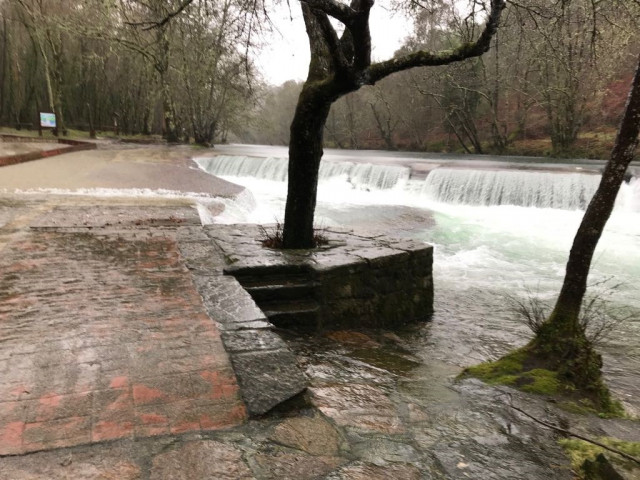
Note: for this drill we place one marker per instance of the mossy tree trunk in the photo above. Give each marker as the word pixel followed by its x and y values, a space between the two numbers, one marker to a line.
pixel 340 65
pixel 562 338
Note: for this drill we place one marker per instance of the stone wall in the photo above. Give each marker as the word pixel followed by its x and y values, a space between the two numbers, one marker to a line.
pixel 386 287
pixel 354 281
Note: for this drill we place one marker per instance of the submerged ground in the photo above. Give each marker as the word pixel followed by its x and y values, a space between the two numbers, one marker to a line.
pixel 380 404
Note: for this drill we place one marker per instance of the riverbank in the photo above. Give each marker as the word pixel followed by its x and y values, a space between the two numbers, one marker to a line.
pixel 594 145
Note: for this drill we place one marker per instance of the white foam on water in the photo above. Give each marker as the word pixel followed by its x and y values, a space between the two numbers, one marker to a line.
pixel 567 191
pixel 448 186
pixel 479 244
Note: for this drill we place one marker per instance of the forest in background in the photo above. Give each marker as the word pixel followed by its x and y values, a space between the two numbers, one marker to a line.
pixel 121 66
pixel 554 82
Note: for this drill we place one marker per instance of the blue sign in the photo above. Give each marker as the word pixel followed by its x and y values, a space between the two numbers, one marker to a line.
pixel 47 120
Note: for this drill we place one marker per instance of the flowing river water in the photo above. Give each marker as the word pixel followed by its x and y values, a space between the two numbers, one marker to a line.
pixel 498 232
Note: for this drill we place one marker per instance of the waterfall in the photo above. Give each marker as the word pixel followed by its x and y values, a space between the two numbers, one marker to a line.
pixel 458 186
pixel 629 196
pixel 567 191
pixel 271 168
pixel 362 176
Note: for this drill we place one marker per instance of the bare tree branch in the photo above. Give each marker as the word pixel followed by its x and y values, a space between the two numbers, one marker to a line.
pixel 335 9
pixel 424 58
pixel 161 23
pixel 332 41
pixel 569 433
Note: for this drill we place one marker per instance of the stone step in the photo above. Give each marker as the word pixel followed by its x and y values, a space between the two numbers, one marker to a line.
pixel 265 291
pixel 261 280
pixel 298 314
pixel 285 269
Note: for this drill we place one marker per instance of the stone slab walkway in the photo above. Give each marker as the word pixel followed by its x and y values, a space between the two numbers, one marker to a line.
pixel 103 334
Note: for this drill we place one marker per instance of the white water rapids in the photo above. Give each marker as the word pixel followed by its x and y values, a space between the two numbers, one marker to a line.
pixel 496 233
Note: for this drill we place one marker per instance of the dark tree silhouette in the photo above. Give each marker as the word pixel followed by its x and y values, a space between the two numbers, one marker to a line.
pixel 338 66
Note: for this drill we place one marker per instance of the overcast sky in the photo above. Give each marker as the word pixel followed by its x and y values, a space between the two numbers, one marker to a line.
pixel 286 56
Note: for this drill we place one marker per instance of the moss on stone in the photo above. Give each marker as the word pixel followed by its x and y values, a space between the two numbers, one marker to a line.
pixel 523 369
pixel 580 451
pixel 509 370
pixel 581 407
pixel 586 407
pixel 504 371
pixel 543 382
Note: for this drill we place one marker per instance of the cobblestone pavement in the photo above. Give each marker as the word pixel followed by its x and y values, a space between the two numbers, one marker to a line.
pixel 103 334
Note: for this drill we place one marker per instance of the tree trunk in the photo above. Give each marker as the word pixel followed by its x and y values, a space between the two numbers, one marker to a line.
pixel 305 153
pixel 561 342
pixel 385 132
pixel 169 127
pixel 567 307
pixel 340 65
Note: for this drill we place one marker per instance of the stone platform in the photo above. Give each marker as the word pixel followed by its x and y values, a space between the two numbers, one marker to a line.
pixel 354 281
pixel 104 334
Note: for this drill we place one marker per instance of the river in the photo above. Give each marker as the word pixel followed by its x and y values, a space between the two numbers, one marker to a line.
pixel 501 227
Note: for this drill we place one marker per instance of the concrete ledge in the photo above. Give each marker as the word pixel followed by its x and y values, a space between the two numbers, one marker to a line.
pixel 72 146
pixel 355 281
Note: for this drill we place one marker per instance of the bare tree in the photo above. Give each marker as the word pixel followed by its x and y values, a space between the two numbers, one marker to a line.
pixel 384 118
pixel 40 20
pixel 562 342
pixel 213 75
pixel 340 65
pixel 573 46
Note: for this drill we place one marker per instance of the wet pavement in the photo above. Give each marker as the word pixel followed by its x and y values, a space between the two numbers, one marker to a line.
pixel 12 148
pixel 113 366
pixel 104 335
pixel 142 169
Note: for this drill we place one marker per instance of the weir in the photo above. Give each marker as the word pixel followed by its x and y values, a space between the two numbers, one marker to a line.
pixel 456 186
pixel 482 254
pixel 360 175
pixel 566 191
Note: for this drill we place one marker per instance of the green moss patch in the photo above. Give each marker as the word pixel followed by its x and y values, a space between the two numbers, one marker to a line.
pixel 613 409
pixel 542 382
pixel 519 369
pixel 580 451
pixel 509 370
pixel 504 371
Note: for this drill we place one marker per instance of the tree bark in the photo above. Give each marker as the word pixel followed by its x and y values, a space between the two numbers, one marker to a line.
pixel 305 153
pixel 567 308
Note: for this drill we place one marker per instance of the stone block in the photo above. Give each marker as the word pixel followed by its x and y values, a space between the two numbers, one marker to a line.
pixel 358 280
pixel 202 257
pixel 313 435
pixel 252 340
pixel 378 256
pixel 267 379
pixel 200 460
pixel 228 303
